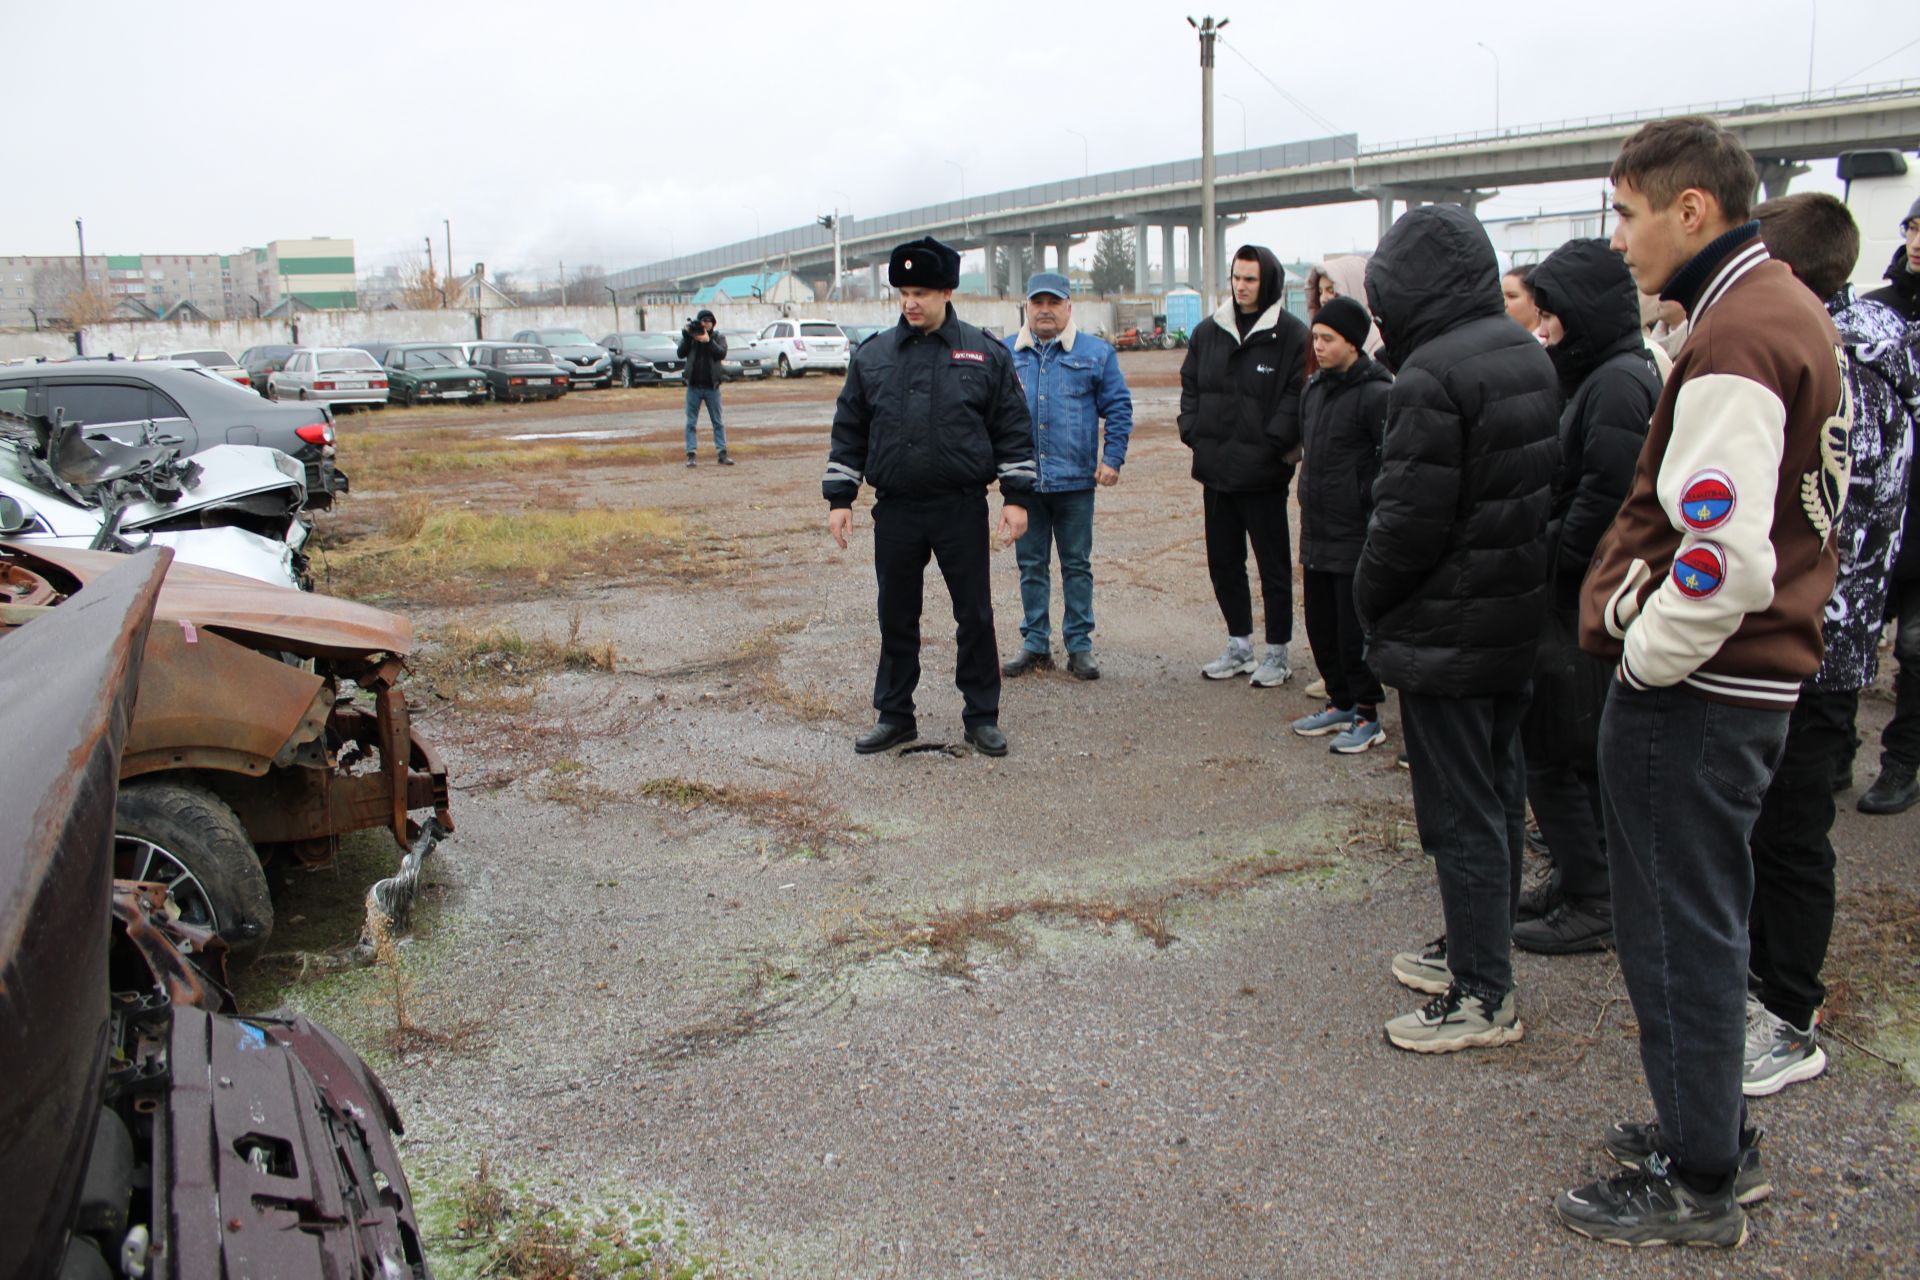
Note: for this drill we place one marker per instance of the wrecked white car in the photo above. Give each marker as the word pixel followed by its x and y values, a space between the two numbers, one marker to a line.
pixel 231 507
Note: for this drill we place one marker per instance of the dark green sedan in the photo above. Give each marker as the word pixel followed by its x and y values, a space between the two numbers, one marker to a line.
pixel 420 372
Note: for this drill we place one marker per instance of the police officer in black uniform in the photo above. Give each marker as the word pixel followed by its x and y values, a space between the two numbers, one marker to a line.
pixel 932 413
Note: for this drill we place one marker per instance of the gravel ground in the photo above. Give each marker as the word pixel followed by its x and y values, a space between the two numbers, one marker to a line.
pixel 1175 1069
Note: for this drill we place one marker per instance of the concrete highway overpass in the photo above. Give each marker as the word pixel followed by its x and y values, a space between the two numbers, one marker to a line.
pixel 1783 134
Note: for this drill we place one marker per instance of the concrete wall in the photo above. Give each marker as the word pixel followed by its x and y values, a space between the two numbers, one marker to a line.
pixel 150 337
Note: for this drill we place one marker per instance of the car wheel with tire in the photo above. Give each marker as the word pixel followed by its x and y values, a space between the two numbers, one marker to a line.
pixel 786 369
pixel 626 376
pixel 185 836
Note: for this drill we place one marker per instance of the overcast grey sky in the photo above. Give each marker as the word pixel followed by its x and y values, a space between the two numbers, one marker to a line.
pixel 620 133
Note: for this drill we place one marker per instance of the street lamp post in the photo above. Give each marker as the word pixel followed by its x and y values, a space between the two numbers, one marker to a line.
pixel 448 223
pixel 1209 31
pixel 79 339
pixel 1496 82
pixel 615 299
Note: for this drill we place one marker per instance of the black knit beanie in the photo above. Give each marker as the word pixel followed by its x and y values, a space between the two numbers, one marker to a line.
pixel 1347 318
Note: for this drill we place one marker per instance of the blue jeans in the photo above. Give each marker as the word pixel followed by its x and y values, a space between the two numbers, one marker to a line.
pixel 1470 807
pixel 710 397
pixel 1064 520
pixel 1681 783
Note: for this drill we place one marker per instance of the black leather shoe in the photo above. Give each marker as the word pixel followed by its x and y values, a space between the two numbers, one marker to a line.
pixel 1571 927
pixel 988 740
pixel 1896 790
pixel 883 736
pixel 1081 666
pixel 724 460
pixel 1027 661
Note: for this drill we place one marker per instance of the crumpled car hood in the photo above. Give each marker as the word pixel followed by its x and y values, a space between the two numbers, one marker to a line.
pixel 313 625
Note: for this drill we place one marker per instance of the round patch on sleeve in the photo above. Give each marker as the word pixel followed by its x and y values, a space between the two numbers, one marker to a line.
pixel 1707 500
pixel 1700 570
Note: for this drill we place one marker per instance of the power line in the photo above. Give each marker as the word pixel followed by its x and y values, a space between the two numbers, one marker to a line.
pixel 1876 62
pixel 1298 105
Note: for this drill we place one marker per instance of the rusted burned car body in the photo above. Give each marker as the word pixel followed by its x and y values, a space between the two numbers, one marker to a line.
pixel 145 1130
pixel 274 707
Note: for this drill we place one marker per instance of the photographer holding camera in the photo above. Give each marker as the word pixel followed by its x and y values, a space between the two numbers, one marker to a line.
pixel 704 350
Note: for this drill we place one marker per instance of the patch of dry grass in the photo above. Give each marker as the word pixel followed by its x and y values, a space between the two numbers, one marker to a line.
pixel 425 552
pixel 800 821
pixel 948 937
pixel 394 459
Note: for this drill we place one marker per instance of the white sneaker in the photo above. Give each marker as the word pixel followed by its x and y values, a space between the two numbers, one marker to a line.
pixel 1318 689
pixel 1236 661
pixel 1273 669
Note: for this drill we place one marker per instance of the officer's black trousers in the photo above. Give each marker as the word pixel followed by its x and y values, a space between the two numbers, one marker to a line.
pixel 952 529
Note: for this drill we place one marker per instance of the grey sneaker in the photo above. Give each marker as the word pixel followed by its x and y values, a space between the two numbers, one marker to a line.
pixel 1649 1206
pixel 1321 723
pixel 1453 1021
pixel 1273 669
pixel 1236 661
pixel 1778 1054
pixel 1359 735
pixel 1425 970
pixel 1632 1143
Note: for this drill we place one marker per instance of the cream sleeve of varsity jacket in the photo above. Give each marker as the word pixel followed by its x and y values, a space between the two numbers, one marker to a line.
pixel 1717 569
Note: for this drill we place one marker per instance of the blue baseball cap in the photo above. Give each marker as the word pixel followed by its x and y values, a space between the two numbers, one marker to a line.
pixel 1049 282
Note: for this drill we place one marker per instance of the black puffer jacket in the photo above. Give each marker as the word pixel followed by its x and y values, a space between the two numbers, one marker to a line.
pixel 1611 386
pixel 922 415
pixel 1452 584
pixel 1902 291
pixel 1240 399
pixel 1342 418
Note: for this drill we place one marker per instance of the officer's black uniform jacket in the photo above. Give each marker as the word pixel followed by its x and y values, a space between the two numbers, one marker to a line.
pixel 925 415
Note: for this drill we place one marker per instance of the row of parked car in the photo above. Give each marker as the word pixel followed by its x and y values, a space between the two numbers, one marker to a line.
pixel 534 364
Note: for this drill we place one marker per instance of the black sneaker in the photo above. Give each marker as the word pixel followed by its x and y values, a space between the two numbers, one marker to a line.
pixel 1631 1144
pixel 690 460
pixel 1536 900
pixel 1651 1205
pixel 1896 790
pixel 1569 928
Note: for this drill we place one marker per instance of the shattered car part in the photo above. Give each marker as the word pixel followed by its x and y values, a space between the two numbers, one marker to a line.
pixel 234 507
pixel 148 1131
pixel 269 724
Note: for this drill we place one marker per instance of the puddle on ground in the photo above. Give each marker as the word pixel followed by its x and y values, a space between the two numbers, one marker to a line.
pixel 611 434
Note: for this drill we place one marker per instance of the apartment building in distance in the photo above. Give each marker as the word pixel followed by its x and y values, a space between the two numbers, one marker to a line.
pixel 315 273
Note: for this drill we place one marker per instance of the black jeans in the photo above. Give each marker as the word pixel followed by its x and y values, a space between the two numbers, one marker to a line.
pixel 1470 805
pixel 953 530
pixel 1234 519
pixel 1681 780
pixel 1793 893
pixel 1900 740
pixel 1562 738
pixel 1339 646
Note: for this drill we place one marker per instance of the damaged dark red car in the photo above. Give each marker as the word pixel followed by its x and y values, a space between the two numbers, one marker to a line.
pixel 146 1130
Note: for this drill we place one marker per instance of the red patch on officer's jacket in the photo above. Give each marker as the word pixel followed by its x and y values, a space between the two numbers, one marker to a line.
pixel 975 356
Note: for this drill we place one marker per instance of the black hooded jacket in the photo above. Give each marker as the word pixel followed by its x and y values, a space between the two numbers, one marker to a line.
pixel 1240 398
pixel 1611 386
pixel 1452 584
pixel 1342 419
pixel 1902 292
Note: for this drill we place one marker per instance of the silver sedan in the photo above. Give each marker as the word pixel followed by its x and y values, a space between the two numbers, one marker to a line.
pixel 334 375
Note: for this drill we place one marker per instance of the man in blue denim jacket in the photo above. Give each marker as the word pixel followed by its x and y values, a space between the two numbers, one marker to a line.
pixel 1073 382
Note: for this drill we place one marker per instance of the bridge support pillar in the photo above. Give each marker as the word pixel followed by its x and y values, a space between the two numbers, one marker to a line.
pixel 1061 248
pixel 994 283
pixel 1193 255
pixel 1776 175
pixel 1386 214
pixel 874 281
pixel 1142 276
pixel 1167 276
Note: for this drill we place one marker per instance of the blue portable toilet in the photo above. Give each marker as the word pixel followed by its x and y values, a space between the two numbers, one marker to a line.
pixel 1183 309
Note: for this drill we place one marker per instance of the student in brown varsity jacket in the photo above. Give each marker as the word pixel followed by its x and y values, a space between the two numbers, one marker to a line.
pixel 1708 589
